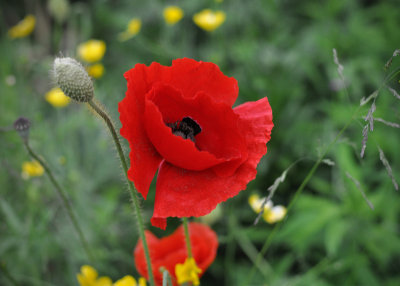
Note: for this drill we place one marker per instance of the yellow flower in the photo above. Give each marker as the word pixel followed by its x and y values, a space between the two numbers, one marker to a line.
pixel 272 214
pixel 126 281
pixel 142 281
pixel 57 98
pixel 256 203
pixel 134 26
pixel 209 20
pixel 188 272
pixel 130 281
pixel 88 277
pixel 92 50
pixel 132 30
pixel 23 28
pixel 96 70
pixel 172 14
pixel 32 169
pixel 275 214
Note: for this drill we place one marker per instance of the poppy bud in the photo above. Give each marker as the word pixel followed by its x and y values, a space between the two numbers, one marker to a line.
pixel 22 125
pixel 73 79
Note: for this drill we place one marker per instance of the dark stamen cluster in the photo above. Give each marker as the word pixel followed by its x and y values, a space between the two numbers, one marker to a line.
pixel 187 128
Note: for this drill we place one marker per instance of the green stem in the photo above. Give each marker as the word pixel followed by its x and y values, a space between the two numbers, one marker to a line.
pixel 63 197
pixel 268 242
pixel 297 194
pixel 230 246
pixel 133 192
pixel 166 277
pixel 315 271
pixel 187 236
pixel 250 250
pixel 391 76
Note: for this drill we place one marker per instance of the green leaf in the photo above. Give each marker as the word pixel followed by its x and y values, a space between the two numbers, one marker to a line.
pixel 334 235
pixel 10 216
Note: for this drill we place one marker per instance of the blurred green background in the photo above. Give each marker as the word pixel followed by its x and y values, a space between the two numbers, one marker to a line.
pixel 281 49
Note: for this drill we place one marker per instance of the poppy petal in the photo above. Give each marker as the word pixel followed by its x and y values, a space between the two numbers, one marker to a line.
pixel 159 222
pixel 186 75
pixel 190 77
pixel 256 125
pixel 176 150
pixel 143 156
pixel 171 250
pixel 184 193
pixel 219 140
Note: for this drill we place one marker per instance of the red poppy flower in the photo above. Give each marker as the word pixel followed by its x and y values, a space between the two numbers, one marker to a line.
pixel 171 250
pixel 179 120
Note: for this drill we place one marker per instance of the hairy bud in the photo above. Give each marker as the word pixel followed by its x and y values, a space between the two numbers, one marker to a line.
pixel 73 79
pixel 22 125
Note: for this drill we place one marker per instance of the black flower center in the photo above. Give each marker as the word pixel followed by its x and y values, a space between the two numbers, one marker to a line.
pixel 187 128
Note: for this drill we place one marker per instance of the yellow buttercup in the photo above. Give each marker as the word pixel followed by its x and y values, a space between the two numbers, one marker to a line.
pixel 132 30
pixel 172 14
pixel 88 277
pixel 271 214
pixel 188 272
pixel 32 169
pixel 24 28
pixel 96 70
pixel 57 98
pixel 92 50
pixel 209 20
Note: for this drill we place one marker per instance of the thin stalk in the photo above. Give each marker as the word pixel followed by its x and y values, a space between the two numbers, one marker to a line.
pixel 391 76
pixel 297 194
pixel 166 277
pixel 268 242
pixel 187 237
pixel 230 246
pixel 250 250
pixel 61 192
pixel 132 190
pixel 315 271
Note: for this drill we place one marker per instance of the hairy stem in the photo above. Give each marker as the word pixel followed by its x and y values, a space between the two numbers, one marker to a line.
pixel 134 195
pixel 187 237
pixel 61 192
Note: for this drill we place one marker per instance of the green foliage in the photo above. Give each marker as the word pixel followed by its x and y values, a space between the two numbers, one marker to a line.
pixel 279 49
